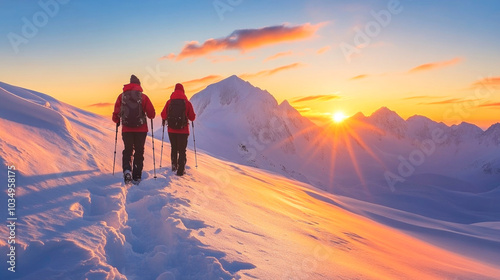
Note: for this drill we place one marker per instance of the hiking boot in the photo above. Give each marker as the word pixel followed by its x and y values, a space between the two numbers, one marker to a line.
pixel 127 177
pixel 136 181
pixel 180 172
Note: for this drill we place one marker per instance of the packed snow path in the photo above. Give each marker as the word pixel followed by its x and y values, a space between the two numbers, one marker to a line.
pixel 221 222
pixel 115 232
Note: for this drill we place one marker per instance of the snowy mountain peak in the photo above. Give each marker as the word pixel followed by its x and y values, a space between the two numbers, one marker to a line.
pixel 419 119
pixel 389 121
pixel 232 92
pixel 359 116
pixel 235 78
pixel 289 112
pixel 233 82
pixel 285 106
pixel 492 134
pixel 385 112
pixel 493 129
pixel 467 128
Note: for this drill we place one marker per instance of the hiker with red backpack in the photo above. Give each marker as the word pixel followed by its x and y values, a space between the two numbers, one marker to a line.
pixel 177 113
pixel 131 109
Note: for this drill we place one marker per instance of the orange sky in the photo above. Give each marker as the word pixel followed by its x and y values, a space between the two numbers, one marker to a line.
pixel 323 57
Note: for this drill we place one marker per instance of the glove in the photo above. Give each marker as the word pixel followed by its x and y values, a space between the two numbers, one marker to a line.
pixel 118 124
pixel 162 122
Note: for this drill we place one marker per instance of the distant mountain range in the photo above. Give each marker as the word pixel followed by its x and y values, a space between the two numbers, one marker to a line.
pixel 368 157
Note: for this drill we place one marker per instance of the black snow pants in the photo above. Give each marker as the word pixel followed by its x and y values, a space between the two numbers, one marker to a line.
pixel 178 142
pixel 134 143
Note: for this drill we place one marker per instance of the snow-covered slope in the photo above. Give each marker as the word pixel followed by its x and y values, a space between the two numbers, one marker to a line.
pixel 374 158
pixel 47 134
pixel 220 221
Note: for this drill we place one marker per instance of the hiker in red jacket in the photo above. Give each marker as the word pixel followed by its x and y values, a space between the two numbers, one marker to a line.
pixel 177 111
pixel 131 108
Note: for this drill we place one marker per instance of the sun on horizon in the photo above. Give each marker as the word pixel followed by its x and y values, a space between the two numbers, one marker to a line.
pixel 338 117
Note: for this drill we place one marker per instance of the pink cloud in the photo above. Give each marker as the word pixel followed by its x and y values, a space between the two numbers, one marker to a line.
pixel 490 105
pixel 359 77
pixel 449 101
pixel 168 57
pixel 101 105
pixel 487 82
pixel 270 71
pixel 278 55
pixel 422 97
pixel 435 65
pixel 248 39
pixel 199 83
pixel 316 98
pixel 323 50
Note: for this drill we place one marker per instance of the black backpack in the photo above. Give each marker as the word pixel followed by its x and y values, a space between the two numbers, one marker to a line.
pixel 176 118
pixel 131 111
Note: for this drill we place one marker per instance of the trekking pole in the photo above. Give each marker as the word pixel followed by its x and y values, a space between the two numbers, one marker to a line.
pixel 194 142
pixel 162 136
pixel 116 140
pixel 153 140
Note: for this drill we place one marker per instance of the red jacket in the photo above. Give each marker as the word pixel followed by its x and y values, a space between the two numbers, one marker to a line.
pixel 147 107
pixel 179 94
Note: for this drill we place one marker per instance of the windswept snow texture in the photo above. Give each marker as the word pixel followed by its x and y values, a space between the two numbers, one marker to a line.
pixel 220 221
pixel 437 172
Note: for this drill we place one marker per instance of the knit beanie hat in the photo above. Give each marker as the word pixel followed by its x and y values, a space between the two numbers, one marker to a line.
pixel 134 80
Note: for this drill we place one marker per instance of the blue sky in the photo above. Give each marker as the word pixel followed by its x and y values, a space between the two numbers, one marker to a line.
pixel 86 51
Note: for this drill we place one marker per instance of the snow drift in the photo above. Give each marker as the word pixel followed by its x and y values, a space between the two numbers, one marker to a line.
pixel 220 221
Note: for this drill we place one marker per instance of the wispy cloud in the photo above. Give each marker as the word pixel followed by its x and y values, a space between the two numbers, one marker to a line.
pixel 423 67
pixel 278 55
pixel 101 105
pixel 449 101
pixel 364 76
pixel 435 65
pixel 301 53
pixel 323 50
pixel 318 117
pixel 302 109
pixel 359 77
pixel 487 82
pixel 168 57
pixel 248 39
pixel 315 98
pixel 270 72
pixel 421 97
pixel 490 105
pixel 196 84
